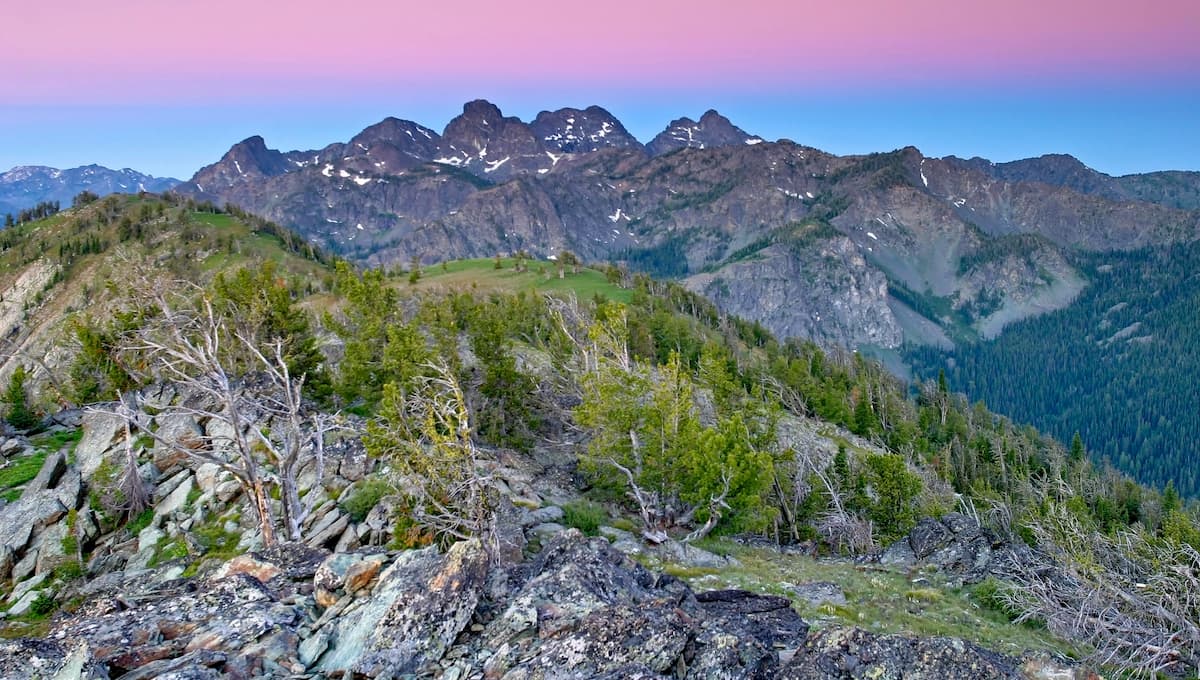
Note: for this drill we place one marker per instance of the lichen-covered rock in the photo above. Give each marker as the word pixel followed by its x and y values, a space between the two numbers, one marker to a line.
pixel 29 659
pixel 954 544
pixel 855 654
pixel 416 610
pixel 138 621
pixel 29 514
pixel 587 610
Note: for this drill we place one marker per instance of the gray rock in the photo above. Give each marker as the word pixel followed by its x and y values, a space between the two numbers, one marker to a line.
pixel 547 531
pixel 228 490
pixel 23 605
pixel 53 468
pixel 856 654
pixel 69 489
pixel 688 555
pixel 176 499
pixel 312 647
pixel 330 527
pixel 27 565
pixel 819 592
pixel 19 520
pixel 550 513
pixel 25 586
pixel 51 552
pixel 927 536
pixel 419 606
pixel 100 430
pixel 207 476
pixel 954 544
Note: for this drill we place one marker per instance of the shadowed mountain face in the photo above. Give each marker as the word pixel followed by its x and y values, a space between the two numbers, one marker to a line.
pixel 26 186
pixel 861 250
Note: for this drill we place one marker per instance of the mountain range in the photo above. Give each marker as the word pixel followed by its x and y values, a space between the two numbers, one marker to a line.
pixel 864 251
pixel 27 185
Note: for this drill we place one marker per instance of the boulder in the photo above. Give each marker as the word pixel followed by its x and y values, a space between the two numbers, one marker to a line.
pixel 30 513
pixel 545 532
pixel 24 604
pixel 53 468
pixel 175 500
pixel 100 430
pixel 416 610
pixel 688 555
pixel 207 476
pixel 857 654
pixel 954 544
pixel 550 513
pixel 586 610
pixel 69 489
pixel 328 529
pixel 818 593
pixel 52 552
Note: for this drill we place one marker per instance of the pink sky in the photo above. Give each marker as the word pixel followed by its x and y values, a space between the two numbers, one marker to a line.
pixel 72 50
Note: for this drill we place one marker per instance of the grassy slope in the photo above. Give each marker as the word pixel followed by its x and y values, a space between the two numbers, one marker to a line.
pixel 877 599
pixel 187 244
pixel 482 276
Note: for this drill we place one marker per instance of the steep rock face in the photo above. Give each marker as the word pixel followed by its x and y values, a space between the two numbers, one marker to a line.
pixel 26 186
pixel 712 130
pixel 828 290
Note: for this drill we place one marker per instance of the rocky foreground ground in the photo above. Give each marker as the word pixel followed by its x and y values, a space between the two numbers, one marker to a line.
pixel 577 609
pixel 190 593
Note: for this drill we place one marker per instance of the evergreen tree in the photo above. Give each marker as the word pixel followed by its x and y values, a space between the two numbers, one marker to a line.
pixel 20 415
pixel 1077 451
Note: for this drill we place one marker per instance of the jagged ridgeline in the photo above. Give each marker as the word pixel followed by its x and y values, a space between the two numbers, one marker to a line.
pixel 243 392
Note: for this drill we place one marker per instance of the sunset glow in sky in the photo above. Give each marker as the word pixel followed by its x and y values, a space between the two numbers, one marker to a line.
pixel 167 86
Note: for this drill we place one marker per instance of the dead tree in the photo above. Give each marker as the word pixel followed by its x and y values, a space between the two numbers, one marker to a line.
pixel 428 437
pixel 1133 598
pixel 261 434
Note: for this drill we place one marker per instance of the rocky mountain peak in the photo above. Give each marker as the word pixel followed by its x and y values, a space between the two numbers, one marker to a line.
pixel 251 155
pixel 712 130
pixel 25 186
pixel 575 131
pixel 484 141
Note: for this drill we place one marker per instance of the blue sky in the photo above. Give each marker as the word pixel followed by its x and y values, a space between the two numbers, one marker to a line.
pixel 1116 129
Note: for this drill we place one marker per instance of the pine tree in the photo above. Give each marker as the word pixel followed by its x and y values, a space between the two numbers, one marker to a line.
pixel 1077 451
pixel 20 415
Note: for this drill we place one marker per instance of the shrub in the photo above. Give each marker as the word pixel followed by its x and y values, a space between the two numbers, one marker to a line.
pixel 585 516
pixel 140 522
pixel 43 604
pixel 364 497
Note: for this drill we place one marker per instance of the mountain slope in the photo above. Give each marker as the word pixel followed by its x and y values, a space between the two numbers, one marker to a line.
pixel 76 264
pixel 964 246
pixel 25 186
